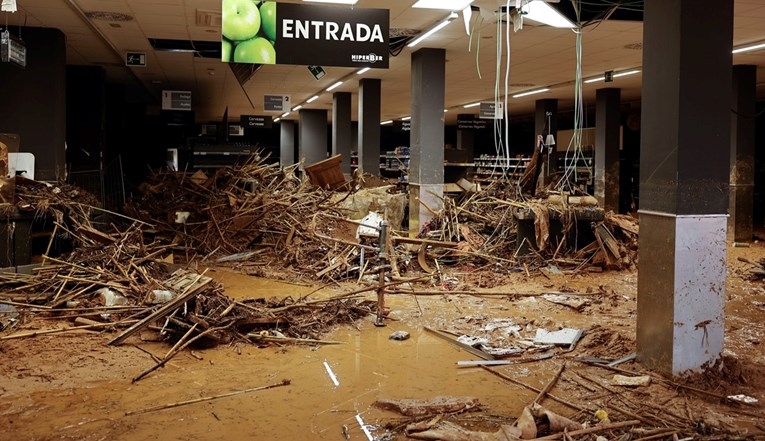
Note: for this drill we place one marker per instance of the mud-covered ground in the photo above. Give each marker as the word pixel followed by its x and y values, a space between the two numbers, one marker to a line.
pixel 75 387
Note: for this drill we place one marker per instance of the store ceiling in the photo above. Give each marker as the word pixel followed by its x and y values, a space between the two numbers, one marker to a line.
pixel 541 56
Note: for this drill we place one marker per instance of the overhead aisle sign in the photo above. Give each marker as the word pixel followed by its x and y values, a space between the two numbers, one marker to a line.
pixel 312 35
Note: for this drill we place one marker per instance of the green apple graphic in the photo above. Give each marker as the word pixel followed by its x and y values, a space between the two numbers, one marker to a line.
pixel 257 50
pixel 225 51
pixel 268 19
pixel 241 19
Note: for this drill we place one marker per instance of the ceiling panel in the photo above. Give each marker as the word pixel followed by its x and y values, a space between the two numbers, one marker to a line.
pixel 540 55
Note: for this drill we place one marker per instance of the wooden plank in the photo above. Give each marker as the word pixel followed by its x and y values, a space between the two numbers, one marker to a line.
pixel 477 352
pixel 435 243
pixel 166 309
pixel 609 241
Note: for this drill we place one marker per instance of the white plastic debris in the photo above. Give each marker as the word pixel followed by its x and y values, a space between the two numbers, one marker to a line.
pixel 181 217
pixel 564 337
pixel 111 298
pixel 160 296
pixel 741 398
pixel 369 226
pixel 472 341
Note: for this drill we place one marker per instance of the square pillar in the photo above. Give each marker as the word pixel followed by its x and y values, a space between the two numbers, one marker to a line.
pixel 684 175
pixel 286 143
pixel 369 125
pixel 607 125
pixel 341 128
pixel 312 131
pixel 740 222
pixel 426 165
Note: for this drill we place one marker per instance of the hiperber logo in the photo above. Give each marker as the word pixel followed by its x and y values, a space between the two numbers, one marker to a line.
pixel 370 58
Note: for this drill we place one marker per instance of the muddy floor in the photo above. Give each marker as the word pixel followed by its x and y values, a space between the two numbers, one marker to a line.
pixel 75 387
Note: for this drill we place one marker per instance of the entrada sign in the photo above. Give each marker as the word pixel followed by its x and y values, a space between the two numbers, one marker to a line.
pixel 262 32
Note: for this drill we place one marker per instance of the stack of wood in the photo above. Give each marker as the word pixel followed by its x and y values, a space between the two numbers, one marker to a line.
pixel 116 281
pixel 257 211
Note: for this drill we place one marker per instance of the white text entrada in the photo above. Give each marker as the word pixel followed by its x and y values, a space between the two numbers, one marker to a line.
pixel 307 29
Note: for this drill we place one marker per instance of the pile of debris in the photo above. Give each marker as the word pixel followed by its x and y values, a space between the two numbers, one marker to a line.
pixel 119 282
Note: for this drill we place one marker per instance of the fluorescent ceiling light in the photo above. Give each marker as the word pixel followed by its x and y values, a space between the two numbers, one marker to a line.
pixel 334 86
pixel 541 12
pixel 446 110
pixel 467 106
pixel 752 47
pixel 296 108
pixel 312 99
pixel 385 123
pixel 406 118
pixel 449 5
pixel 342 2
pixel 277 119
pixel 434 29
pixel 364 70
pixel 285 114
pixel 616 75
pixel 531 92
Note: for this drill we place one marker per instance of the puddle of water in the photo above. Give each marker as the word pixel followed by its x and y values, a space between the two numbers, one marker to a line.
pixel 367 366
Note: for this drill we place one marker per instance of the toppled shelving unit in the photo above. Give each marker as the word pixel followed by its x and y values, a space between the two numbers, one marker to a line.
pixel 490 168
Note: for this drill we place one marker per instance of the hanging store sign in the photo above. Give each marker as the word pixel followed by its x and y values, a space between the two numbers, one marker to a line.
pixel 491 110
pixel 276 103
pixel 470 122
pixel 12 50
pixel 290 33
pixel 256 121
pixel 176 100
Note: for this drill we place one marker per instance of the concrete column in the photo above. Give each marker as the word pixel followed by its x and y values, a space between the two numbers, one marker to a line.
pixel 684 175
pixel 369 125
pixel 341 128
pixel 426 166
pixel 543 108
pixel 607 116
pixel 287 143
pixel 312 135
pixel 742 153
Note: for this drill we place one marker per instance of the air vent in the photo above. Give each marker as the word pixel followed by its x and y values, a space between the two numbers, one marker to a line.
pixel 108 16
pixel 522 85
pixel 200 48
pixel 210 19
pixel 634 46
pixel 401 32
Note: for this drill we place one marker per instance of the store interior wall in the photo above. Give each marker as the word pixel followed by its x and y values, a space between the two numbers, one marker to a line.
pixel 34 101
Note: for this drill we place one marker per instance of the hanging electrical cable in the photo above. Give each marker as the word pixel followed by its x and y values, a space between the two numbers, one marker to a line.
pixel 574 149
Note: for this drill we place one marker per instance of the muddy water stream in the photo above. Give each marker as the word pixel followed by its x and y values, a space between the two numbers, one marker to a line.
pixel 91 403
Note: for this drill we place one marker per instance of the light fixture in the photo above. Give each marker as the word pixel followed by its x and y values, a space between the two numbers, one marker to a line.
pixel 285 114
pixel 541 12
pixel 334 86
pixel 446 110
pixel 434 29
pixel 751 47
pixel 364 70
pixel 277 120
pixel 296 108
pixel 530 92
pixel 312 99
pixel 449 5
pixel 340 2
pixel 467 106
pixel 406 118
pixel 385 123
pixel 616 75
